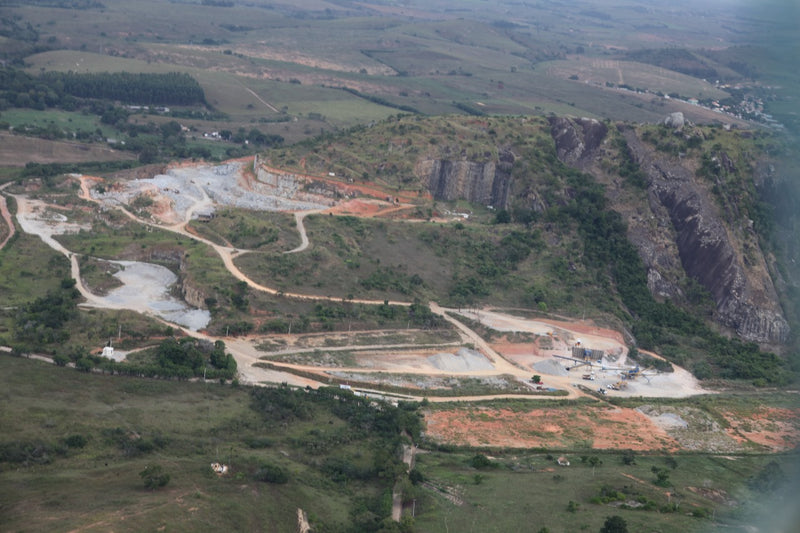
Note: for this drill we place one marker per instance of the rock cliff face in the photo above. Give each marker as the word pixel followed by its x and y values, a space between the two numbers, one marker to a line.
pixel 681 229
pixel 743 291
pixel 576 139
pixel 484 183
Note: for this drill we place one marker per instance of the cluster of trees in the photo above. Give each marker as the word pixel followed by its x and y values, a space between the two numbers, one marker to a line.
pixel 42 321
pixel 174 88
pixel 70 90
pixel 380 101
pixel 191 356
pixel 183 358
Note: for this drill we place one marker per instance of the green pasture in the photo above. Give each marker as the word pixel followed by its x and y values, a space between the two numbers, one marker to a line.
pixel 67 121
pixel 128 423
pixel 228 92
pixel 250 230
pixel 29 268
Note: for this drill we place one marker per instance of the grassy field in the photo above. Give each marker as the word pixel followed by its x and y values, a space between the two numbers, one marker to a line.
pixel 366 258
pixel 250 230
pixel 29 268
pixel 529 491
pixel 183 427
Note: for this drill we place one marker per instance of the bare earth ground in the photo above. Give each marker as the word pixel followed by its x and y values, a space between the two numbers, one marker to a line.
pixel 610 428
pixel 558 427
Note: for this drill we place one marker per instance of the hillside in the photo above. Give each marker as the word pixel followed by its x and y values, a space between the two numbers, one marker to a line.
pixel 565 190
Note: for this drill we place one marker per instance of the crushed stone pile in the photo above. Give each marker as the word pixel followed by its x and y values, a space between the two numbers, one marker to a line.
pixel 464 360
pixel 551 367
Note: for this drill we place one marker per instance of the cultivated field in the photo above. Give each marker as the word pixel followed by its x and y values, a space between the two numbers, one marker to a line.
pixel 16 150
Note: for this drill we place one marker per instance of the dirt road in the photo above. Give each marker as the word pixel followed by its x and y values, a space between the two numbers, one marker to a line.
pixel 301 229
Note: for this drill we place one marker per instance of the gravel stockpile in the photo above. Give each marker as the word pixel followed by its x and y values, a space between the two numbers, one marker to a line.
pixel 551 367
pixel 464 360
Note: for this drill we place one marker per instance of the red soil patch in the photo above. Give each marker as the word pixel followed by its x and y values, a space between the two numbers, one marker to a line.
pixel 774 428
pixel 353 189
pixel 605 428
pixel 359 208
pixel 509 348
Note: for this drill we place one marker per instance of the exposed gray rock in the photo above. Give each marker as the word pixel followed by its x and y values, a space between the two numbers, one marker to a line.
pixel 576 138
pixel 683 234
pixel 675 120
pixel 486 183
pixel 745 298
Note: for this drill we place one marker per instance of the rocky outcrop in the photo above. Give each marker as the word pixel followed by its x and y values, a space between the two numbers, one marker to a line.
pixel 680 232
pixel 486 183
pixel 675 120
pixel 744 294
pixel 576 139
pixel 192 295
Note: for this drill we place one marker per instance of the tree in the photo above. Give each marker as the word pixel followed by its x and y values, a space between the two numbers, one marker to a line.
pixel 502 217
pixel 269 473
pixel 628 457
pixel 572 506
pixel 662 476
pixel 480 461
pixel 614 524
pixel 154 477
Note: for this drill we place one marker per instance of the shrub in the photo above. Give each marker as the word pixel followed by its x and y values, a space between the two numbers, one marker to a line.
pixel 154 477
pixel 480 461
pixel 269 473
pixel 76 441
